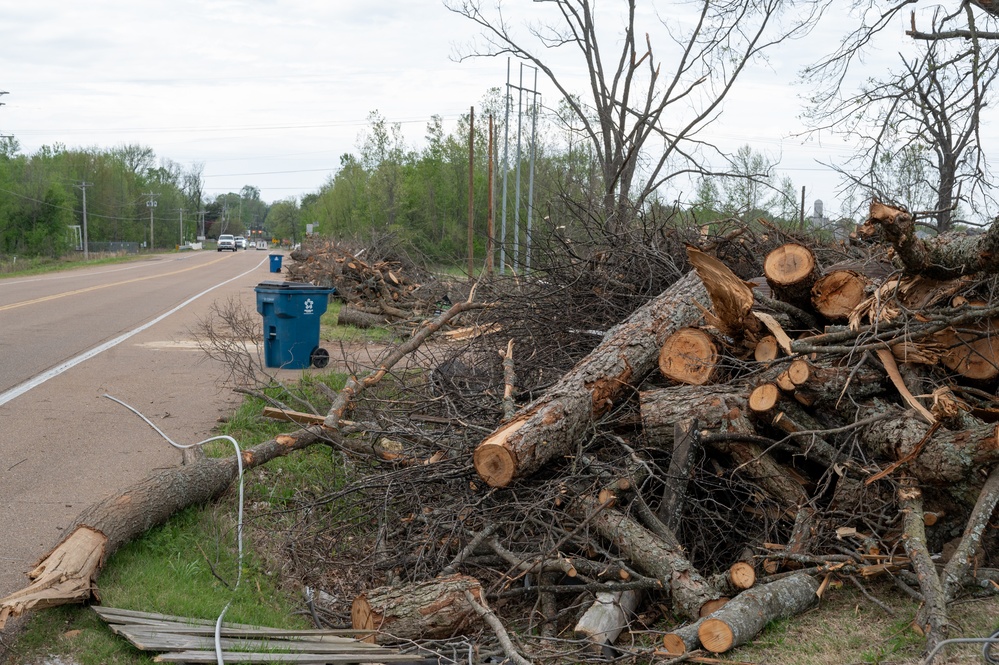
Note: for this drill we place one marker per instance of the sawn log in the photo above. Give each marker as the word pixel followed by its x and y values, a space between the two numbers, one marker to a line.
pixel 551 426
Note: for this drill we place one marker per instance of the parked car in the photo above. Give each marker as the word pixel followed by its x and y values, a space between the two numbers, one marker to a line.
pixel 241 242
pixel 226 242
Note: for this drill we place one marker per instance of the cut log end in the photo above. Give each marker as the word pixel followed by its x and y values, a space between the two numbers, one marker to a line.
pixel 674 645
pixel 742 575
pixel 764 398
pixel 799 372
pixel 766 349
pixel 689 356
pixel 713 605
pixel 495 463
pixel 715 635
pixel 838 293
pixel 789 264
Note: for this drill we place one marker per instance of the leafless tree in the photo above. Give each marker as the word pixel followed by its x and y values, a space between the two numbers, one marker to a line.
pixel 918 128
pixel 647 103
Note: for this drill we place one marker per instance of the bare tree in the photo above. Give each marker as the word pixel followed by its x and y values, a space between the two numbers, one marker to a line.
pixel 918 129
pixel 646 106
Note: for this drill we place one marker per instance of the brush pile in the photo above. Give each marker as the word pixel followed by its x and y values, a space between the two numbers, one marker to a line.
pixel 377 288
pixel 717 460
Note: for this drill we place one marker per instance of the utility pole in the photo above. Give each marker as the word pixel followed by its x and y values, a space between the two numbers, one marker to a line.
pixel 151 204
pixel 181 211
pixel 471 193
pixel 86 250
pixel 201 216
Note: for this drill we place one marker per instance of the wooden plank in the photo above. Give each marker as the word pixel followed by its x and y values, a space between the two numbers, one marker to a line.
pixel 293 416
pixel 245 657
pixel 316 635
pixel 164 641
pixel 120 616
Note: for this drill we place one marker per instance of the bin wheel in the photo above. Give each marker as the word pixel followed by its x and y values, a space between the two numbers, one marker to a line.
pixel 320 357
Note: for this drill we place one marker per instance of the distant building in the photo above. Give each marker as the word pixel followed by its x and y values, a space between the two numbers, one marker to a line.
pixel 817 218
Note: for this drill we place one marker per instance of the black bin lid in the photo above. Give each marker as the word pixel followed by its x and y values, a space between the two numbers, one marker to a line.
pixel 274 284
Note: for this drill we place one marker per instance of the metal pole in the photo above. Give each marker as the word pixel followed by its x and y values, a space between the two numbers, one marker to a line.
pixel 492 205
pixel 530 176
pixel 151 204
pixel 516 196
pixel 506 169
pixel 471 192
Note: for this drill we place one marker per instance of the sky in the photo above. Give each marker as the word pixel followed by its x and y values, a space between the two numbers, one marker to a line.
pixel 270 93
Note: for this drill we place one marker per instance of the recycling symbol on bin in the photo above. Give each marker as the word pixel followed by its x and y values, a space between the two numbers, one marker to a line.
pixel 308 306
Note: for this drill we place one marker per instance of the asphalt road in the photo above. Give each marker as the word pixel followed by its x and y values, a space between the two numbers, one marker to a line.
pixel 69 338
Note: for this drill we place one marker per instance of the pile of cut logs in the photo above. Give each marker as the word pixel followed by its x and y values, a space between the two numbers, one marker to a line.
pixel 375 290
pixel 858 399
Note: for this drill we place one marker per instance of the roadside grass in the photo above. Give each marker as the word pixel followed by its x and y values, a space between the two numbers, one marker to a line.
pixel 188 566
pixel 25 267
pixel 332 331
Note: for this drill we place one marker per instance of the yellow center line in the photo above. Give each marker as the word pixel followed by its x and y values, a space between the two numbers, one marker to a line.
pixel 55 296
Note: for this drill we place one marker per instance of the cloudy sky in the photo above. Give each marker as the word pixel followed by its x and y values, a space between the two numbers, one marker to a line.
pixel 270 93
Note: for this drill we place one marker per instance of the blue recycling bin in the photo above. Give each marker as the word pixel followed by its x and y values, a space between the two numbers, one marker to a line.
pixel 291 314
pixel 276 262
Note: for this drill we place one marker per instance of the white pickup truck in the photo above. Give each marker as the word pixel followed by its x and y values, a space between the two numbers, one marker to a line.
pixel 227 242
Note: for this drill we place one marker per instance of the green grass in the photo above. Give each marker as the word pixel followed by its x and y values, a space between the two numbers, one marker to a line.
pixel 188 566
pixel 24 267
pixel 332 331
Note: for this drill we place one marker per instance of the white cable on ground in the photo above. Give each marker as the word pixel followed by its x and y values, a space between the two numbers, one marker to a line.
pixel 239 520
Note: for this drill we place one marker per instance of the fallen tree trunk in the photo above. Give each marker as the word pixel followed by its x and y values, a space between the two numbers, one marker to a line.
pixel 351 316
pixel 692 595
pixel 943 257
pixel 743 617
pixel 431 609
pixel 68 572
pixel 552 425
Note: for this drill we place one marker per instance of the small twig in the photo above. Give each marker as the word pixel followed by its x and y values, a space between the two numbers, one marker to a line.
pixel 869 597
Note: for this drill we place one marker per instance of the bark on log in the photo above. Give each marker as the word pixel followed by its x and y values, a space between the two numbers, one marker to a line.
pixel 69 571
pixel 957 569
pixel 932 616
pixel 689 590
pixel 711 406
pixel 747 614
pixel 945 256
pixel 432 609
pixel 351 316
pixel 551 426
pixel 606 618
pixel 947 458
pixel 686 447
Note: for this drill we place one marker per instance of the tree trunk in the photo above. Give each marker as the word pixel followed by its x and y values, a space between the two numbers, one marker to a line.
pixel 743 617
pixel 690 592
pixel 552 425
pixel 69 572
pixel 351 316
pixel 433 609
pixel 683 640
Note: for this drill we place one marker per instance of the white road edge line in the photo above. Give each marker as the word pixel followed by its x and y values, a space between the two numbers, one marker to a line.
pixel 38 380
